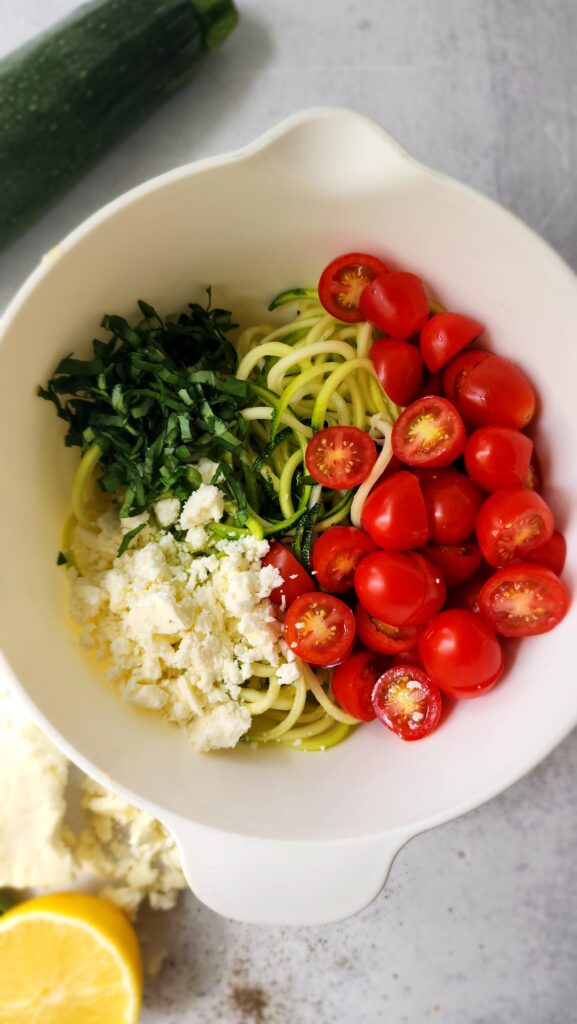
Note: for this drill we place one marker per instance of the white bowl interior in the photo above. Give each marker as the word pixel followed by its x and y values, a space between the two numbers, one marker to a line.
pixel 250 226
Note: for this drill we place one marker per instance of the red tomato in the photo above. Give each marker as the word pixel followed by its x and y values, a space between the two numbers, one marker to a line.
pixel 343 281
pixel 456 561
pixel 408 658
pixel 407 702
pixel 336 554
pixel 396 304
pixel 513 523
pixel 444 336
pixel 384 638
pixel 340 457
pixel 467 595
pixel 320 629
pixel 394 514
pixel 524 600
pixel 498 457
pixel 496 392
pixel 551 554
pixel 452 502
pixel 354 681
pixel 432 385
pixel 296 579
pixel 429 432
pixel 533 477
pixel 459 369
pixel 461 653
pixel 399 368
pixel 403 589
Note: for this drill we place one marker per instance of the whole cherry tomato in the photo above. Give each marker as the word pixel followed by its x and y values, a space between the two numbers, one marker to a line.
pixel 340 457
pixel 320 629
pixel 430 432
pixel 382 636
pixel 407 701
pixel 452 502
pixel 457 562
pixel 399 367
pixel 343 281
pixel 444 335
pixel 394 514
pixel 353 682
pixel 498 457
pixel 496 392
pixel 461 653
pixel 524 600
pixel 403 589
pixel 396 304
pixel 336 554
pixel 513 523
pixel 296 579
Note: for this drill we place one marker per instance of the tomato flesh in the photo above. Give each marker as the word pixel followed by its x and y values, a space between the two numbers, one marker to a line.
pixel 340 457
pixel 524 600
pixel 399 367
pixel 498 457
pixel 320 629
pixel 444 335
pixel 336 554
pixel 513 523
pixel 296 580
pixel 430 432
pixel 396 304
pixel 382 636
pixel 353 683
pixel 457 562
pixel 402 589
pixel 343 281
pixel 461 653
pixel 407 701
pixel 452 502
pixel 394 514
pixel 496 392
pixel 457 371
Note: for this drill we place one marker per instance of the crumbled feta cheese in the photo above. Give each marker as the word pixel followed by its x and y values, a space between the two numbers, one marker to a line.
pixel 197 538
pixel 204 506
pixel 207 469
pixel 167 511
pixel 129 523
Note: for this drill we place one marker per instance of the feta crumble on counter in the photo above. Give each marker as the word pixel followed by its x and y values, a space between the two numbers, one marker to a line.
pixel 179 632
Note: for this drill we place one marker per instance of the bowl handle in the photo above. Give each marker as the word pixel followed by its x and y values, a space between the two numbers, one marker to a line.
pixel 269 881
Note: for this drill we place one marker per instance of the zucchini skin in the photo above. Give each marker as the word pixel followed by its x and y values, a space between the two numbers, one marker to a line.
pixel 70 95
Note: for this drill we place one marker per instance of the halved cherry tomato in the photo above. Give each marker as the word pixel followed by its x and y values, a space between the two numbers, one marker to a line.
pixel 551 554
pixel 429 432
pixel 496 392
pixel 296 579
pixel 524 600
pixel 403 589
pixel 340 457
pixel 533 478
pixel 498 457
pixel 320 629
pixel 452 502
pixel 459 369
pixel 456 561
pixel 408 658
pixel 399 368
pixel 407 702
pixel 394 514
pixel 343 281
pixel 336 554
pixel 354 680
pixel 384 638
pixel 513 523
pixel 396 304
pixel 461 653
pixel 444 335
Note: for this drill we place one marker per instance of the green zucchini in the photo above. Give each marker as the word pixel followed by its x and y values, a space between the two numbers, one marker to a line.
pixel 71 94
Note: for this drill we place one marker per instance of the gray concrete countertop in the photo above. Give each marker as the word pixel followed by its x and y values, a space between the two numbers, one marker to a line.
pixel 478 923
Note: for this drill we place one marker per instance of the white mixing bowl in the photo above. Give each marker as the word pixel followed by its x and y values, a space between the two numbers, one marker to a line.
pixel 274 835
